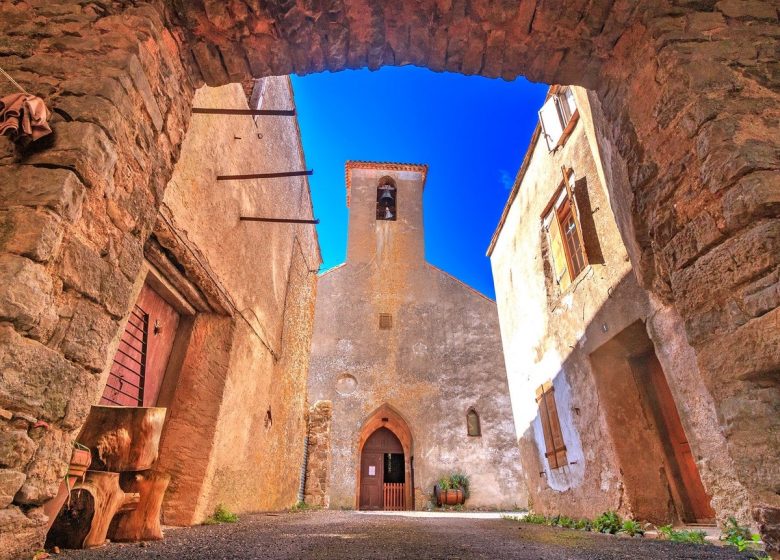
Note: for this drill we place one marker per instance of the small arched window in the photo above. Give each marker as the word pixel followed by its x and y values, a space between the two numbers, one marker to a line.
pixel 472 423
pixel 386 199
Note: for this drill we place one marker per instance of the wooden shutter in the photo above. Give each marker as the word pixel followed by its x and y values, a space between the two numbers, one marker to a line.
pixel 551 122
pixel 568 179
pixel 546 428
pixel 125 385
pixel 558 252
pixel 555 449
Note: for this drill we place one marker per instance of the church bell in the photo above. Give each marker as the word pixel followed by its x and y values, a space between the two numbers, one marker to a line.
pixel 386 197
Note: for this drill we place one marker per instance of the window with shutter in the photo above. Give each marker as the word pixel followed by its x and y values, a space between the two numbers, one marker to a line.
pixel 555 449
pixel 566 106
pixel 564 235
pixel 558 116
pixel 558 254
pixel 571 237
pixel 551 122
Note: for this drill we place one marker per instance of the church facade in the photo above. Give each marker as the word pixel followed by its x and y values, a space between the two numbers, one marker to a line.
pixel 406 364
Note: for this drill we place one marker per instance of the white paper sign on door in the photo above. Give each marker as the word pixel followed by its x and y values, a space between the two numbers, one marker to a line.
pixel 371 470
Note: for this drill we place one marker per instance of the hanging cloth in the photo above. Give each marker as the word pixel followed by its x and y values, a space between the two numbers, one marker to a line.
pixel 22 114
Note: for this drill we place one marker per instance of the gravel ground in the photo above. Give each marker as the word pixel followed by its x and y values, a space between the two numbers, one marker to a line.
pixel 350 535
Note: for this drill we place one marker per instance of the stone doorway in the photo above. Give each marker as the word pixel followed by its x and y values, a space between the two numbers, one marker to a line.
pixel 662 482
pixel 381 483
pixel 385 478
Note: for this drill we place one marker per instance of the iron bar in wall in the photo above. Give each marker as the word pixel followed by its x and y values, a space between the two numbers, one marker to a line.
pixel 248 112
pixel 277 220
pixel 265 175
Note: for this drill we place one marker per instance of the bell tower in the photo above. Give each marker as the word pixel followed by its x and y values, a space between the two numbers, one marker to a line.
pixel 385 212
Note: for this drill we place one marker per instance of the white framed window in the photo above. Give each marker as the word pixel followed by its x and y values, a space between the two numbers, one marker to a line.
pixel 558 116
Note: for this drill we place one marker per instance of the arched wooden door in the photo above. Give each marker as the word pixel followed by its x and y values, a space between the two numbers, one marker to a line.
pixel 382 472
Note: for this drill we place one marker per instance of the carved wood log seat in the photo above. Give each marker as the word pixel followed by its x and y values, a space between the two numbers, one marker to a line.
pixel 122 497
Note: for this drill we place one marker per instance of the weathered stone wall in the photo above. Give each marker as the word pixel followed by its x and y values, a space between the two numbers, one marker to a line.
pixel 318 466
pixel 690 119
pixel 75 211
pixel 219 441
pixel 441 356
pixel 549 335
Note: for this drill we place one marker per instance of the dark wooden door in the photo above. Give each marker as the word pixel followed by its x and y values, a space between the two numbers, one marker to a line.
pixel 163 323
pixel 699 500
pixel 695 504
pixel 371 480
pixel 372 467
pixel 143 352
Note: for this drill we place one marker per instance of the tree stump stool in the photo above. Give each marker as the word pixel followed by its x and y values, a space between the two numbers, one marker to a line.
pixel 141 522
pixel 85 521
pixel 122 497
pixel 123 438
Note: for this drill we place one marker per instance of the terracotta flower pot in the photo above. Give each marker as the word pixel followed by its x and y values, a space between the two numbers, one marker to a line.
pixel 79 462
pixel 453 497
pixel 449 497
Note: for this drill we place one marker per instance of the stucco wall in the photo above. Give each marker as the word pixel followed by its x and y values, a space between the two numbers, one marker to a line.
pixel 255 360
pixel 541 333
pixel 548 335
pixel 442 355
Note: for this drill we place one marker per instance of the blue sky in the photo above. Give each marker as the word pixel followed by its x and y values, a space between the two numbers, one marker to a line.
pixel 471 131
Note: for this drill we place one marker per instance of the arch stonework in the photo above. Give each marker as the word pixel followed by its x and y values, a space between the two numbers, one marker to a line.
pixel 387 417
pixel 686 96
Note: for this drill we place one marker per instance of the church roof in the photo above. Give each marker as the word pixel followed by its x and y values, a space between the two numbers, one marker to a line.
pixel 388 165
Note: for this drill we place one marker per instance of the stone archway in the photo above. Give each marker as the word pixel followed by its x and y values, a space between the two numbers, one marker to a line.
pixel 387 417
pixel 685 94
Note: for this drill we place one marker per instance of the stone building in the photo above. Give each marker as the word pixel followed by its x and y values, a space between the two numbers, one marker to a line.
pixel 609 403
pixel 222 311
pixel 410 360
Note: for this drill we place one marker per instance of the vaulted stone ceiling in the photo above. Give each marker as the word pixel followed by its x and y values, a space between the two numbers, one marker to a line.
pixel 542 40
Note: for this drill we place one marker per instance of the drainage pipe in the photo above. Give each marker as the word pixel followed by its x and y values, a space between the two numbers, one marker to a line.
pixel 304 466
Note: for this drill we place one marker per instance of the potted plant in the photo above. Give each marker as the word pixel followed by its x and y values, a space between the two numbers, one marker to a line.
pixel 452 489
pixel 80 460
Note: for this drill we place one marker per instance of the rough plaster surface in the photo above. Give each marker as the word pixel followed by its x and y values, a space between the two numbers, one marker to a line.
pixel 219 441
pixel 442 355
pixel 549 335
